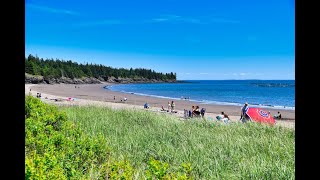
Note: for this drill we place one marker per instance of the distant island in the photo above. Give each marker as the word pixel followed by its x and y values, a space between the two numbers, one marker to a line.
pixel 49 71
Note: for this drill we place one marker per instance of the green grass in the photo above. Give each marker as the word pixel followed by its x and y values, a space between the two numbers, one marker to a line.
pixel 57 148
pixel 215 151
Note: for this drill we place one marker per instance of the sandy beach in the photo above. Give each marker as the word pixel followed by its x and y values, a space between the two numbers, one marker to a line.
pixel 95 94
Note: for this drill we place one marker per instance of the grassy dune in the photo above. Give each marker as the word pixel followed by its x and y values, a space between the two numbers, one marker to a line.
pixel 100 143
pixel 215 151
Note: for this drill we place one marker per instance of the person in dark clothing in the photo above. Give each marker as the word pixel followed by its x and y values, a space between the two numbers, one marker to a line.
pixel 146 105
pixel 196 112
pixel 278 116
pixel 243 111
pixel 203 110
pixel 225 115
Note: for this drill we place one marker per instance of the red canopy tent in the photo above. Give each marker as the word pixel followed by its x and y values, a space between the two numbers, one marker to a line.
pixel 258 115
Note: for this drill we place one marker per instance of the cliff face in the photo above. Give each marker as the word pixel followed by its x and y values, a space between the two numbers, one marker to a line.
pixel 32 79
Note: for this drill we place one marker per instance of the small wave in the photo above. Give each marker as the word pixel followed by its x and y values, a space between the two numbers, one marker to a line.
pixel 149 95
pixel 273 84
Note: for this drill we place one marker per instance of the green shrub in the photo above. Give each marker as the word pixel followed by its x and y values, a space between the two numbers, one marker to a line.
pixel 160 170
pixel 56 148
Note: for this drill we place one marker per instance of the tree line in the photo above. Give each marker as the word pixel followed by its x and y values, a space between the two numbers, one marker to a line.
pixel 50 68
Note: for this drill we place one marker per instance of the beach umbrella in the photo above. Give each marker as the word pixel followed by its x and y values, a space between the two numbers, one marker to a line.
pixel 259 115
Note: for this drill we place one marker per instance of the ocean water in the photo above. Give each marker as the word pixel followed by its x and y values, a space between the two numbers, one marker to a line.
pixel 277 94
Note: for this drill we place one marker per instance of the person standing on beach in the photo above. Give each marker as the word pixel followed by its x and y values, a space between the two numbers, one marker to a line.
pixel 169 106
pixel 243 111
pixel 185 113
pixel 172 106
pixel 114 98
pixel 192 109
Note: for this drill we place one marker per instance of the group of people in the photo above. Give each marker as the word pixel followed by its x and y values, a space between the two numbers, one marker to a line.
pixel 124 99
pixel 171 106
pixel 244 117
pixel 223 117
pixel 38 95
pixel 194 112
pixel 185 98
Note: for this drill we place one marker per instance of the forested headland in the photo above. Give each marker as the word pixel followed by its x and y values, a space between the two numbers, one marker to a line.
pixel 39 70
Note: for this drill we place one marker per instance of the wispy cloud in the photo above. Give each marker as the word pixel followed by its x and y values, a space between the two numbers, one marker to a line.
pixel 192 20
pixel 174 19
pixel 51 10
pixel 102 22
pixel 159 19
pixel 183 74
pixel 223 20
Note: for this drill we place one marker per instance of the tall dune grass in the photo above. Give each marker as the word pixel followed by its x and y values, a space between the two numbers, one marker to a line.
pixel 215 151
pixel 57 148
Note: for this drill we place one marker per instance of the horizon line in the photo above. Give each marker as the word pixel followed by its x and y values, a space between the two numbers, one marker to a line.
pixel 235 79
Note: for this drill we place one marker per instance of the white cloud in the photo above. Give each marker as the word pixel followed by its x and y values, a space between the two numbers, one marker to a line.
pixel 159 19
pixel 223 20
pixel 102 22
pixel 193 20
pixel 51 10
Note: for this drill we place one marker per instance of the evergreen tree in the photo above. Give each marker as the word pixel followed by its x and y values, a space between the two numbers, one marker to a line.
pixel 60 68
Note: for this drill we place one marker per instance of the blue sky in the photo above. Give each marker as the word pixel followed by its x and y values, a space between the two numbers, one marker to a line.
pixel 203 39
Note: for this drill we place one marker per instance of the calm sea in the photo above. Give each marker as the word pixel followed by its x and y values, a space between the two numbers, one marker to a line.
pixel 269 93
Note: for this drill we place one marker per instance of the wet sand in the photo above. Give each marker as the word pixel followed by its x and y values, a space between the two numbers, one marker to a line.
pixel 96 92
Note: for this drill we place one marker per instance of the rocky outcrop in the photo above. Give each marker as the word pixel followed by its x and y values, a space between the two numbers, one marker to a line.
pixel 72 81
pixel 32 79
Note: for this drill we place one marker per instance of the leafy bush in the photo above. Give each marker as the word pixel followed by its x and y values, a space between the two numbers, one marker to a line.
pixel 160 170
pixel 56 148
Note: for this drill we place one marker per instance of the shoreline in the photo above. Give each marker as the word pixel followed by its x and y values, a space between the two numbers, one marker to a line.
pixel 204 102
pixel 97 92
